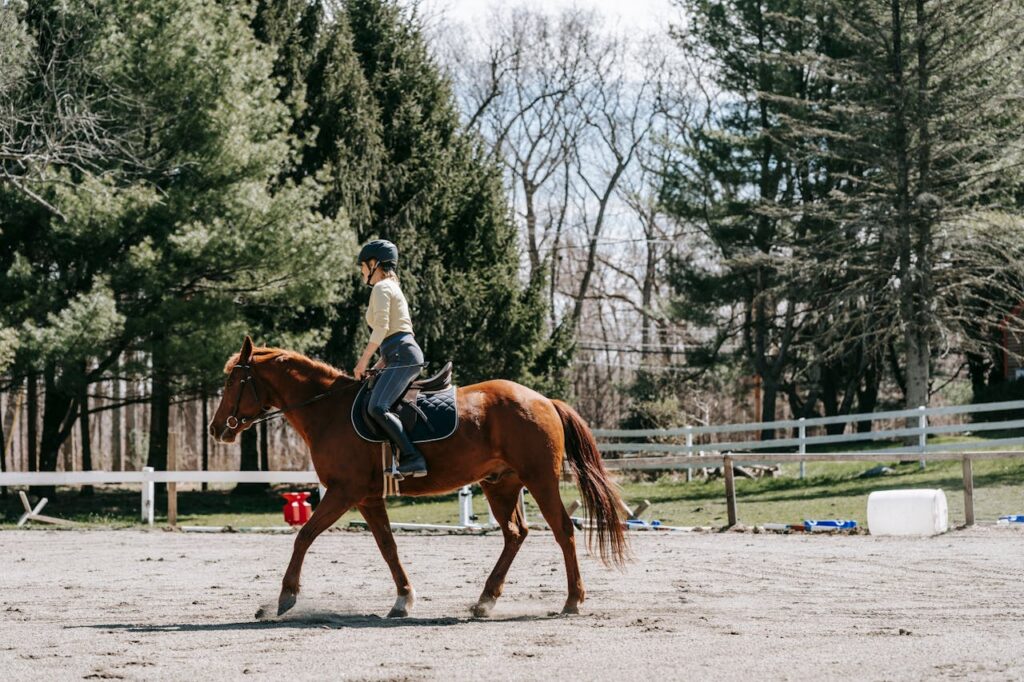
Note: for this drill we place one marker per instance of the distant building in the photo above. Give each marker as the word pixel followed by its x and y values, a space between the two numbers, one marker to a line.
pixel 1013 343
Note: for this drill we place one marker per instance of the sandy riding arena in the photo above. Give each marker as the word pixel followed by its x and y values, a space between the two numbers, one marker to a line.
pixel 160 605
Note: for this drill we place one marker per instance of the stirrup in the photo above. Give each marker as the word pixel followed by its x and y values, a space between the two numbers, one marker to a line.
pixel 393 472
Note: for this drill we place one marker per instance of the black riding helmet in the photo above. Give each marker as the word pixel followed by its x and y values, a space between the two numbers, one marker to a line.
pixel 382 251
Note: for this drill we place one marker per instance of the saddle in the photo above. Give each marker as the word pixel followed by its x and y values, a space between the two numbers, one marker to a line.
pixel 426 409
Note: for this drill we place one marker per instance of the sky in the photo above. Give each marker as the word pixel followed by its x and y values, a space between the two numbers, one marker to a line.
pixel 627 14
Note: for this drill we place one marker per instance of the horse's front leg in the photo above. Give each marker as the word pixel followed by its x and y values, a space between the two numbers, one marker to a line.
pixel 335 503
pixel 376 515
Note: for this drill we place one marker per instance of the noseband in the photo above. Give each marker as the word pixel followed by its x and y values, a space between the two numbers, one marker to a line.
pixel 233 422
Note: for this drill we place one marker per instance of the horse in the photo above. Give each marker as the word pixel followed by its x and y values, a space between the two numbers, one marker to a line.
pixel 508 437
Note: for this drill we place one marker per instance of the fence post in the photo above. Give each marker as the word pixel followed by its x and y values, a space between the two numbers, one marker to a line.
pixel 803 445
pixel 968 491
pixel 922 437
pixel 689 451
pixel 730 490
pixel 147 495
pixel 465 506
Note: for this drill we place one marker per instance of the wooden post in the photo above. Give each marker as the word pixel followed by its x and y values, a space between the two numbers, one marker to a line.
pixel 803 445
pixel 172 489
pixel 968 490
pixel 172 465
pixel 922 435
pixel 689 451
pixel 730 490
pixel 625 508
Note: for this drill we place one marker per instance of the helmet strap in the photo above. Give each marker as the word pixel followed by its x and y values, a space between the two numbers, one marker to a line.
pixel 369 276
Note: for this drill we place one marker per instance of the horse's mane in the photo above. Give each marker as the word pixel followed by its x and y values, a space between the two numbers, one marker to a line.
pixel 267 354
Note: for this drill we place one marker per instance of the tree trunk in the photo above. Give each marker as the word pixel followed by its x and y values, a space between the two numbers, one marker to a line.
pixel 647 293
pixel 83 419
pixel 531 226
pixel 205 446
pixel 116 415
pixel 59 409
pixel 918 337
pixel 160 411
pixel 868 398
pixel 770 391
pixel 131 425
pixel 3 446
pixel 32 421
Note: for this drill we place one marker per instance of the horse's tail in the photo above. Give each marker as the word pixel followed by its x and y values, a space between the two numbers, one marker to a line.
pixel 600 498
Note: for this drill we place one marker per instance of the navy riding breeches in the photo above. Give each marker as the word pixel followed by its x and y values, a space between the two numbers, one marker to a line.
pixel 399 352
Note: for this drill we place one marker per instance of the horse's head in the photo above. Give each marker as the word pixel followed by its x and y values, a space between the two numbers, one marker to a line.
pixel 244 398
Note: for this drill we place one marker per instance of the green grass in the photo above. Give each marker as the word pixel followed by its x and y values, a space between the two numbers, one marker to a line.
pixel 830 490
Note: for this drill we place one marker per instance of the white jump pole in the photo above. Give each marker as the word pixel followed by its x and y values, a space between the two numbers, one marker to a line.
pixel 466 506
pixel 148 490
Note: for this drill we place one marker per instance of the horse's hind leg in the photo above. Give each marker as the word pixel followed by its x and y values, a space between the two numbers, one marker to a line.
pixel 503 496
pixel 544 490
pixel 335 503
pixel 376 515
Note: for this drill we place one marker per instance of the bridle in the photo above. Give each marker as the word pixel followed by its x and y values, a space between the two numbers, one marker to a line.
pixel 233 422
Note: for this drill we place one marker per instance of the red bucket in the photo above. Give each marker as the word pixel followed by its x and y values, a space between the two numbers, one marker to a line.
pixel 296 510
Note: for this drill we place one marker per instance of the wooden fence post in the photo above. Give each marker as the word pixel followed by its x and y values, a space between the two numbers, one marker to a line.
pixel 730 490
pixel 689 451
pixel 172 486
pixel 922 436
pixel 803 444
pixel 968 490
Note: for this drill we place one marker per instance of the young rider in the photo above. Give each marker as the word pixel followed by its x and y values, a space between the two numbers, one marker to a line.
pixel 400 356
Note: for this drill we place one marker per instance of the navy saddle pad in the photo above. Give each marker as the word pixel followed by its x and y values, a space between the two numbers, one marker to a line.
pixel 438 406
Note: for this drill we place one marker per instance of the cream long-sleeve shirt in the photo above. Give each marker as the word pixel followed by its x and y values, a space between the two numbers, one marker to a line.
pixel 388 312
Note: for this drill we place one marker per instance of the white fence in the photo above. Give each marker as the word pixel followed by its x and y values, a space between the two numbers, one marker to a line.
pixel 671 455
pixel 148 477
pixel 924 428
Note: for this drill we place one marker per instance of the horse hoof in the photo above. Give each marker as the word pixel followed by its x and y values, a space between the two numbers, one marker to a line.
pixel 481 609
pixel 570 609
pixel 398 613
pixel 285 603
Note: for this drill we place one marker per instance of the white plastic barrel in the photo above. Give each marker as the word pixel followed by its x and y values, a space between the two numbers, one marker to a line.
pixel 907 512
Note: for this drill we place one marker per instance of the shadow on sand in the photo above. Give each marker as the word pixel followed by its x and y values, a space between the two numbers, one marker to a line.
pixel 323 619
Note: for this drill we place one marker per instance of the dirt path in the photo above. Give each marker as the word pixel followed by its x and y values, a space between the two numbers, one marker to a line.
pixel 156 605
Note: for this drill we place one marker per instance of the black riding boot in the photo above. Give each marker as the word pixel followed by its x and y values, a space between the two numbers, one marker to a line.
pixel 411 461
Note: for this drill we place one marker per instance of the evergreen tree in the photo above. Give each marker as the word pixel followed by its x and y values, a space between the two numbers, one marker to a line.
pixel 925 106
pixel 168 261
pixel 440 198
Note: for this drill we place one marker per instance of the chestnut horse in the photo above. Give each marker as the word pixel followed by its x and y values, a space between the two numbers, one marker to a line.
pixel 508 437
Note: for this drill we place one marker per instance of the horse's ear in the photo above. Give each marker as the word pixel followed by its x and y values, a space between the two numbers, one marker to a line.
pixel 246 354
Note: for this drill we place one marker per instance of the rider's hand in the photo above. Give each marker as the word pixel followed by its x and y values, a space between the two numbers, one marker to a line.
pixel 359 371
